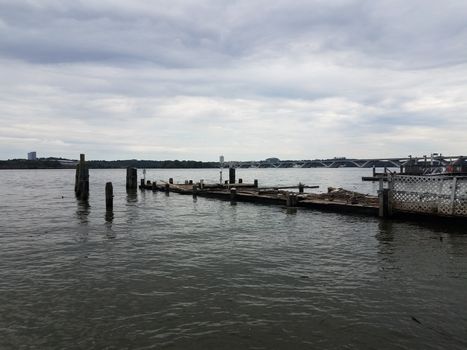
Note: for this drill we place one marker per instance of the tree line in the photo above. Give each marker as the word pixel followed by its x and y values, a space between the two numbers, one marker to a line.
pixel 107 164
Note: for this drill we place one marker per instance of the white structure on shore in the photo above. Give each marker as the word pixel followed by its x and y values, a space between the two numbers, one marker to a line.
pixel 32 155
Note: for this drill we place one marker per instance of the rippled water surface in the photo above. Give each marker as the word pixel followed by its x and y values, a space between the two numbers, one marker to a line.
pixel 168 272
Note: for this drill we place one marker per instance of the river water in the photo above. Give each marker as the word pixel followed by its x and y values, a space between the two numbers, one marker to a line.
pixel 168 272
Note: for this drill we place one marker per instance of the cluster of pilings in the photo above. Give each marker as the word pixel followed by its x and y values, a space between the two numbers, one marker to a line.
pixel 82 184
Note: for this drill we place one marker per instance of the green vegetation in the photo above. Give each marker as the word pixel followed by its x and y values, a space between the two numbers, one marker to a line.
pixel 148 164
pixel 30 164
pixel 55 163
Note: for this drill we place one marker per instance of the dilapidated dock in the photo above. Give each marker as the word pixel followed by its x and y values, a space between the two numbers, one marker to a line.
pixel 402 196
pixel 405 196
pixel 336 200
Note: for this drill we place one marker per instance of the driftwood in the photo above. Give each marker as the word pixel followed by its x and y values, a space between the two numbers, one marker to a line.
pixel 339 194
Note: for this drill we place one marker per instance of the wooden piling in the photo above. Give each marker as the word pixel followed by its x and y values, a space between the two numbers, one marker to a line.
pixel 231 175
pixel 82 179
pixel 154 186
pixel 171 181
pixel 255 182
pixel 240 181
pixel 167 188
pixel 141 184
pixel 195 191
pixel 77 178
pixel 233 195
pixel 291 200
pixel 385 203
pixel 301 187
pixel 109 196
pixel 131 178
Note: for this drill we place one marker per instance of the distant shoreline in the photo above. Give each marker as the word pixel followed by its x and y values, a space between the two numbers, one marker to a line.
pixel 18 164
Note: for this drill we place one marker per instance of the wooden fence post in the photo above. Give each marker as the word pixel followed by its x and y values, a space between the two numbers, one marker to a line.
pixel 453 194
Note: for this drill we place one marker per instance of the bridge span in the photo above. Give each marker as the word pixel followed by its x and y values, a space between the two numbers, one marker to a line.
pixel 438 160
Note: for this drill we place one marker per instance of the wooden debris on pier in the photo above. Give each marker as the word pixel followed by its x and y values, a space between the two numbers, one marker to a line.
pixel 342 195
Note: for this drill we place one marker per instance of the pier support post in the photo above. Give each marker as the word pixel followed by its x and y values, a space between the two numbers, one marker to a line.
pixel 131 178
pixel 141 185
pixel 301 187
pixel 240 181
pixel 385 203
pixel 291 203
pixel 171 181
pixel 109 196
pixel 167 188
pixel 291 200
pixel 154 185
pixel 231 175
pixel 195 191
pixel 255 182
pixel 77 179
pixel 82 179
pixel 233 196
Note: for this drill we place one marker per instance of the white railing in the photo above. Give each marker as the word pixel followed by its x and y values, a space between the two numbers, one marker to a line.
pixel 441 195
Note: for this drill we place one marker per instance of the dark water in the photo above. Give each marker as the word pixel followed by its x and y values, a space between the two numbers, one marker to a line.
pixel 166 272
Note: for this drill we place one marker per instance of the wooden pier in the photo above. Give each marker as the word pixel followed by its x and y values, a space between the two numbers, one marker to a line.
pixel 404 196
pixel 396 201
pixel 335 200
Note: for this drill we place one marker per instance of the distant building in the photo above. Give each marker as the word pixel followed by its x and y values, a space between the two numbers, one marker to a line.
pixel 32 156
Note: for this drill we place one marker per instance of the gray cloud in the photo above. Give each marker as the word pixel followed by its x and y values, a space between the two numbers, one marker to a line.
pixel 190 79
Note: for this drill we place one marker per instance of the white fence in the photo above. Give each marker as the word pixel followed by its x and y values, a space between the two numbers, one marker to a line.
pixel 441 195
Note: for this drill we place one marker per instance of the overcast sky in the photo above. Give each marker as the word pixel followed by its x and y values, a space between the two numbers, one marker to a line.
pixel 248 79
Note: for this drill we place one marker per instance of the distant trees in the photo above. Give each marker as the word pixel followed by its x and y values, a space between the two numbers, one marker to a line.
pixel 106 164
pixel 157 164
pixel 30 164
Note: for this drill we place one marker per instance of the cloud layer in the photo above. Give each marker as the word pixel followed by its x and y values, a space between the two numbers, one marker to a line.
pixel 249 79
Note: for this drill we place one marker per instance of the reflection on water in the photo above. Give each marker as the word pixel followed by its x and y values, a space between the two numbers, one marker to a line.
pixel 109 216
pixel 131 195
pixel 179 272
pixel 83 210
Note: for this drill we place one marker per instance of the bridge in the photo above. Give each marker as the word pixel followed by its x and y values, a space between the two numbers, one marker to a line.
pixel 341 162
